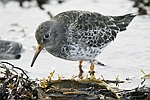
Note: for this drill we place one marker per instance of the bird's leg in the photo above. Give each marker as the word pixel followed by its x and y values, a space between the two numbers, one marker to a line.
pixel 80 68
pixel 92 69
pixel 80 65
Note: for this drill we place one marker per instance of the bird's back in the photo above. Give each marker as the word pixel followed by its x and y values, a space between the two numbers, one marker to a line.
pixel 86 23
pixel 89 32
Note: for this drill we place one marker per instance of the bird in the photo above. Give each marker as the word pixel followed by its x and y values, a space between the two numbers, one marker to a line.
pixel 10 50
pixel 79 35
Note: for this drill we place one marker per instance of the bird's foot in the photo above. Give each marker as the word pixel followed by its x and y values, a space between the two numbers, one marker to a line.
pixel 98 62
pixel 92 72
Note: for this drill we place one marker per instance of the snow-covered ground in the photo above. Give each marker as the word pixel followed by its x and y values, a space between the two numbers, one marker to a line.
pixel 126 56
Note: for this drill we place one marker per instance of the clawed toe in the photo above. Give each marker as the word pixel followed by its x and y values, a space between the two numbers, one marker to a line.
pixel 91 72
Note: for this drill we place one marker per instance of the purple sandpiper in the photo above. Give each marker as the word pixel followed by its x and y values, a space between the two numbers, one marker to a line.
pixel 10 50
pixel 79 35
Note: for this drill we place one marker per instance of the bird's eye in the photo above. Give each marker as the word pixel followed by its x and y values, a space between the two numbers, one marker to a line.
pixel 46 36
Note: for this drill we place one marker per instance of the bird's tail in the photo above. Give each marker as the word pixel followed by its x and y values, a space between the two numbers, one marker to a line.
pixel 123 21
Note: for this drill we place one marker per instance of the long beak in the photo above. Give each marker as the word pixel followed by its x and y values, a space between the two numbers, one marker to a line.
pixel 38 50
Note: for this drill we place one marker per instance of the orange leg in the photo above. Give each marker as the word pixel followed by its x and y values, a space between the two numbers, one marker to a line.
pixel 80 65
pixel 92 69
pixel 80 68
pixel 148 96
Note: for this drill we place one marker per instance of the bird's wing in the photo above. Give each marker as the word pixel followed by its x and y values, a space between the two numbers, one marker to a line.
pixel 93 29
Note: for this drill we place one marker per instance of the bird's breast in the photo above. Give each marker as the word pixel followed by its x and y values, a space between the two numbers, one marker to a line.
pixel 77 52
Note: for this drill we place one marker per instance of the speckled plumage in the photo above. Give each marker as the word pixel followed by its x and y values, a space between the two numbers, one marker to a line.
pixel 80 35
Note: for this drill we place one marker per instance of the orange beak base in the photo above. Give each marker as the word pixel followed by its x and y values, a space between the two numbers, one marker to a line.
pixel 38 50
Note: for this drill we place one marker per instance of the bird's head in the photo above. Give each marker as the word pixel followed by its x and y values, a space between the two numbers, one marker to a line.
pixel 43 37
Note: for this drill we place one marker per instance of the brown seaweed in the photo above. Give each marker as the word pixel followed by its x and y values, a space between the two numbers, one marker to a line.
pixel 16 84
